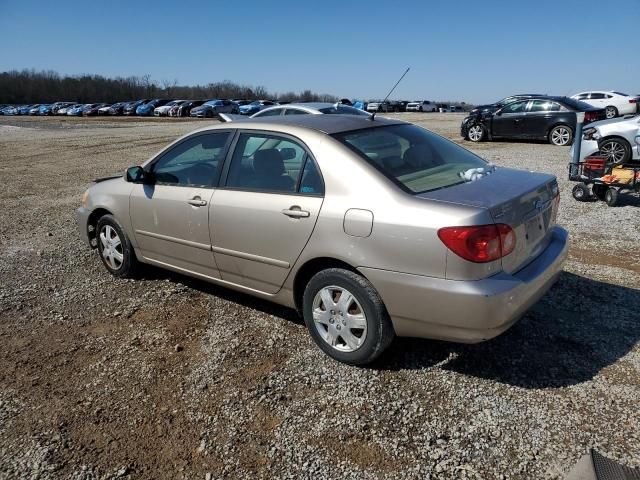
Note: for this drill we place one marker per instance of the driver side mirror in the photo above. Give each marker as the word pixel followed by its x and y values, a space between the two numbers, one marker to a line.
pixel 136 175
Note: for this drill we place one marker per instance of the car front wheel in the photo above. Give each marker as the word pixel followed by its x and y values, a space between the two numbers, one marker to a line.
pixel 615 150
pixel 346 317
pixel 561 136
pixel 476 133
pixel 115 248
pixel 611 111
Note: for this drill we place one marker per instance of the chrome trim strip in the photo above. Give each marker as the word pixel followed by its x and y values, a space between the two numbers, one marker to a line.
pixel 249 256
pixel 201 246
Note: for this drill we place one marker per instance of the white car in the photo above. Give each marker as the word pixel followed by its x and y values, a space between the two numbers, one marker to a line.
pixel 614 103
pixel 617 139
pixel 163 111
pixel 422 106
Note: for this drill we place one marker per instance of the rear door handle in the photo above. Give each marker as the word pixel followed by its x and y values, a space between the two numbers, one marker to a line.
pixel 296 212
pixel 197 202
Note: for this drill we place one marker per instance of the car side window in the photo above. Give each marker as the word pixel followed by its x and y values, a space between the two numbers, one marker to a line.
pixel 517 107
pixel 597 96
pixel 311 182
pixel 266 163
pixel 295 111
pixel 544 106
pixel 194 162
pixel 269 113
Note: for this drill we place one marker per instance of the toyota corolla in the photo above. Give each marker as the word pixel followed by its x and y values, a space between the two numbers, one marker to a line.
pixel 369 227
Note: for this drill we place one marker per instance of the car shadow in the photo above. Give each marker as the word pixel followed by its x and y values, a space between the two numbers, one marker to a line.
pixel 580 327
pixel 150 272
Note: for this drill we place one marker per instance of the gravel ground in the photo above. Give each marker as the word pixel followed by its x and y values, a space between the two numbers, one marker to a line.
pixel 168 377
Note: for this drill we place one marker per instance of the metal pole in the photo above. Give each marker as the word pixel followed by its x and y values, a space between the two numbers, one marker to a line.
pixel 577 143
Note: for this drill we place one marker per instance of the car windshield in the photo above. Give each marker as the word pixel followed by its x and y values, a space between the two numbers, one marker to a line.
pixel 622 94
pixel 414 158
pixel 344 109
pixel 255 103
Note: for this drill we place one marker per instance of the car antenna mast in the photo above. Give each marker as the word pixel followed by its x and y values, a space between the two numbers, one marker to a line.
pixel 373 115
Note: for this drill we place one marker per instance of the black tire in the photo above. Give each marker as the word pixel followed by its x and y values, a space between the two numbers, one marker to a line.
pixel 420 109
pixel 379 334
pixel 611 197
pixel 599 191
pixel 476 133
pixel 129 266
pixel 580 192
pixel 611 111
pixel 559 132
pixel 615 150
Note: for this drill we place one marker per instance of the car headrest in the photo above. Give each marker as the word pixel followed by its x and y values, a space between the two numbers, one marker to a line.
pixel 268 163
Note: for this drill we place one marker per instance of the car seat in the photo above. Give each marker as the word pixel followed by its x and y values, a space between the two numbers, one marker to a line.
pixel 269 170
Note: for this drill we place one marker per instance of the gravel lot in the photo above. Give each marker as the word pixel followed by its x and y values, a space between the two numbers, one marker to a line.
pixel 168 377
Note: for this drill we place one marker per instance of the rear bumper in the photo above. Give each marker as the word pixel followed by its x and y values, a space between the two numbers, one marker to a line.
pixel 467 311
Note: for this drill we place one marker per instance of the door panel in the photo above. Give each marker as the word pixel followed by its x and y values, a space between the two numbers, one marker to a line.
pixel 171 230
pixel 508 121
pixel 541 116
pixel 255 244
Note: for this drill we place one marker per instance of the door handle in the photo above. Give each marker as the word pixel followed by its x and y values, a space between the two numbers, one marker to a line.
pixel 197 202
pixel 296 212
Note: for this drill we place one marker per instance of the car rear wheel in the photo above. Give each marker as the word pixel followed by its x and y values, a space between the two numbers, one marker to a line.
pixel 611 111
pixel 476 133
pixel 115 248
pixel 615 150
pixel 346 317
pixel 561 135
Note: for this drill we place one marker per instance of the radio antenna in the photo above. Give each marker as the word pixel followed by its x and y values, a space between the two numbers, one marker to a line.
pixel 373 115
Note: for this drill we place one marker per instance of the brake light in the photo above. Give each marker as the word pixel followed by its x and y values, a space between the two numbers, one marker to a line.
pixel 633 100
pixel 590 116
pixel 479 244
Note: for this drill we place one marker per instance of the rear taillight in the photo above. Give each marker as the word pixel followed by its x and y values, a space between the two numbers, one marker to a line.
pixel 479 244
pixel 590 116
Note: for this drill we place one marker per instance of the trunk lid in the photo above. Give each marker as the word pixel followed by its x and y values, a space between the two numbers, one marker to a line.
pixel 525 201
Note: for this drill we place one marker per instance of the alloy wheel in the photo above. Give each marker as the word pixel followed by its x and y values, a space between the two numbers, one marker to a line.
pixel 339 318
pixel 475 133
pixel 611 112
pixel 560 136
pixel 111 247
pixel 613 151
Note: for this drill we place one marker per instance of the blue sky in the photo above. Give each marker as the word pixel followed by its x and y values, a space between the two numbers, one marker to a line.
pixel 472 51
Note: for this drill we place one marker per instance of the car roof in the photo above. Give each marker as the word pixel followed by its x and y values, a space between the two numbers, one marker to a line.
pixel 328 124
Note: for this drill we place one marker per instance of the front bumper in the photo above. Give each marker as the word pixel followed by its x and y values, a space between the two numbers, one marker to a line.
pixel 82 221
pixel 467 311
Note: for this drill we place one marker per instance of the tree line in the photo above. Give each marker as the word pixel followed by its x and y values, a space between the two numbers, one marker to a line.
pixel 30 86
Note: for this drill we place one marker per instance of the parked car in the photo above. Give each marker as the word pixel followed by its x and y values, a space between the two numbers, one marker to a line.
pixel 77 110
pixel 45 109
pixel 241 101
pixel 616 139
pixel 212 108
pixel 422 106
pixel 255 106
pixel 184 109
pixel 614 103
pixel 492 107
pixel 381 107
pixel 146 109
pixel 11 110
pixel 455 109
pixel 131 107
pixel 93 110
pixel 117 108
pixel 542 118
pixel 313 108
pixel 412 248
pixel 107 107
pixel 65 110
pixel 25 109
pixel 35 109
pixel 163 110
pixel 55 108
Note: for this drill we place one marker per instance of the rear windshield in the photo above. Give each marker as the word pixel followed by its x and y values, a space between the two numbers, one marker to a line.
pixel 344 109
pixel 576 104
pixel 414 158
pixel 620 93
